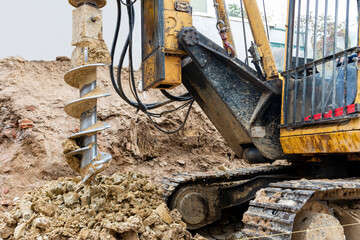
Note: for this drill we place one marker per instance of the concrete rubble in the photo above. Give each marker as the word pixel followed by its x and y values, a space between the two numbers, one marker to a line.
pixel 123 206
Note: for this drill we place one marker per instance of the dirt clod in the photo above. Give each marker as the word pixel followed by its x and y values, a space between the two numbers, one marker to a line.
pixel 109 209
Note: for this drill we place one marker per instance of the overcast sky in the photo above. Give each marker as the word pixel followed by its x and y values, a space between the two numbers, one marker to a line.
pixel 42 28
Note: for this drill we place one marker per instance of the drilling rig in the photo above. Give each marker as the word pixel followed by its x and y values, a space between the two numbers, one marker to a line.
pixel 306 113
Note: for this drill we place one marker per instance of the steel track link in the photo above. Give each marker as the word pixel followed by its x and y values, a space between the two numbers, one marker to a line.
pixel 271 214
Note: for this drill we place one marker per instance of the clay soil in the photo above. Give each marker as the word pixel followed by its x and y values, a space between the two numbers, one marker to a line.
pixel 33 125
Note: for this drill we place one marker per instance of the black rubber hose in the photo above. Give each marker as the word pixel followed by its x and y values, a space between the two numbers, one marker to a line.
pixel 118 87
pixel 181 98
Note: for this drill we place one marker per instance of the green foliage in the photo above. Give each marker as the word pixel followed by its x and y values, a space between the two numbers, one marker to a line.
pixel 234 10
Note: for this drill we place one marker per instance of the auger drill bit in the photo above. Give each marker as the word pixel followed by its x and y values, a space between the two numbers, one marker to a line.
pixel 90 52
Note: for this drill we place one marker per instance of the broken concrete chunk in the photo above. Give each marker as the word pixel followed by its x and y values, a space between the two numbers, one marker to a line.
pixel 9 219
pixel 130 235
pixel 134 223
pixel 5 230
pixel 41 223
pixel 176 233
pixel 70 186
pixel 118 178
pixel 149 187
pixel 164 213
pixel 55 189
pixel 44 207
pixel 85 234
pixel 105 234
pixel 162 227
pixel 85 200
pixel 19 230
pixel 97 204
pixel 152 219
pixel 91 191
pixel 71 198
pixel 26 209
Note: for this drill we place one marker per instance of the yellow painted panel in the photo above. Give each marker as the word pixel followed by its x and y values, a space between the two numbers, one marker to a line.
pixel 169 5
pixel 335 142
pixel 174 21
pixel 260 37
pixel 150 70
pixel 172 73
pixel 223 15
pixel 353 124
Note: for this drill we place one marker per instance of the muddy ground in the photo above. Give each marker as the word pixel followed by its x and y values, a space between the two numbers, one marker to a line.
pixel 33 125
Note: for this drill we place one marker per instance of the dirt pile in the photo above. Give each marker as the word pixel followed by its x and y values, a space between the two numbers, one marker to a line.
pixel 33 125
pixel 117 207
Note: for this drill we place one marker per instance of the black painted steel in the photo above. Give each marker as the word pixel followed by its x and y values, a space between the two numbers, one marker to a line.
pixel 230 93
pixel 346 53
pixel 314 57
pixel 289 49
pixel 297 62
pixel 323 61
pixel 333 101
pixel 305 58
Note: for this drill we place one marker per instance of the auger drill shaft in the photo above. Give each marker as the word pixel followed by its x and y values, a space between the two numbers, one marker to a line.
pixel 90 52
pixel 88 119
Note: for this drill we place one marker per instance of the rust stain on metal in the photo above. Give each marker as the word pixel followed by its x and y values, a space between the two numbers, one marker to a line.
pixel 336 142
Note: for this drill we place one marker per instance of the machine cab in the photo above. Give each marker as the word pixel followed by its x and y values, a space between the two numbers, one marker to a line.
pixel 320 112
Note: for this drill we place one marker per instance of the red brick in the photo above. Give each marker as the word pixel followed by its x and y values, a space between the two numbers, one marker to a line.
pixel 10 133
pixel 26 123
pixel 5 190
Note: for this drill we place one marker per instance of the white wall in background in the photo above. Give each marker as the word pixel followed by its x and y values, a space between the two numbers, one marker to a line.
pixel 41 29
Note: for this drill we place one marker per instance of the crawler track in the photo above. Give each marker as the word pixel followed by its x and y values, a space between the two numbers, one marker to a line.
pixel 170 185
pixel 273 210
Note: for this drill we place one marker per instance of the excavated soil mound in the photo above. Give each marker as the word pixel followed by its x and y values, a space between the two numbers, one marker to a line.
pixel 117 207
pixel 33 125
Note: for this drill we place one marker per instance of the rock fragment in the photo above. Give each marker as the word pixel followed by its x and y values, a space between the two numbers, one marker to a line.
pixel 26 209
pixel 19 230
pixel 41 223
pixel 44 207
pixel 71 198
pixel 163 212
pixel 123 206
pixel 5 230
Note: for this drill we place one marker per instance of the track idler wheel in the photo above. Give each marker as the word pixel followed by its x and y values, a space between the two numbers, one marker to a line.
pixel 197 205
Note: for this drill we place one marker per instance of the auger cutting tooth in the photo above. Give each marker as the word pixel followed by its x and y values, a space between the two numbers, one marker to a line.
pixel 85 108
